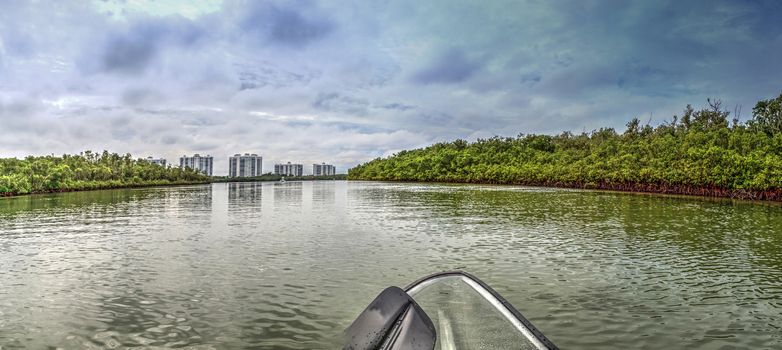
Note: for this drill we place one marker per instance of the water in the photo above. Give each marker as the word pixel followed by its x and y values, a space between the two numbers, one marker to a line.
pixel 269 265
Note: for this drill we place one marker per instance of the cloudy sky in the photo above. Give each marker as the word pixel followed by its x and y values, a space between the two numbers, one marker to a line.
pixel 347 81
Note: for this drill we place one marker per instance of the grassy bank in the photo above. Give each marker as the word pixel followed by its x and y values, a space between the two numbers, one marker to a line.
pixel 87 171
pixel 702 152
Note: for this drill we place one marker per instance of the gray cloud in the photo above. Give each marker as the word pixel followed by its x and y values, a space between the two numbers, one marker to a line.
pixel 338 103
pixel 255 77
pixel 141 97
pixel 288 24
pixel 398 106
pixel 531 78
pixel 17 42
pixel 127 55
pixel 131 50
pixel 16 109
pixel 169 139
pixel 452 66
pixel 292 28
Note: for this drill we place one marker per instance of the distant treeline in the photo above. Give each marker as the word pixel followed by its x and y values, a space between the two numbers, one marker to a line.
pixel 87 171
pixel 273 177
pixel 702 152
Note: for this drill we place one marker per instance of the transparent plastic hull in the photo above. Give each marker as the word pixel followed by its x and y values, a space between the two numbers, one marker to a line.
pixel 468 314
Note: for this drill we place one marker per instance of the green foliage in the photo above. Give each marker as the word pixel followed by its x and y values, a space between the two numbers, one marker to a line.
pixel 767 116
pixel 86 171
pixel 699 150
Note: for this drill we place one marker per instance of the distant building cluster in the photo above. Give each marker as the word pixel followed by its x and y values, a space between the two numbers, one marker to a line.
pixel 245 165
pixel 323 169
pixel 197 162
pixel 289 169
pixel 157 161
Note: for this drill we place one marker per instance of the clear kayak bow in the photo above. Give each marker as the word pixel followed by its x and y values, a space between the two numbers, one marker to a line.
pixel 445 311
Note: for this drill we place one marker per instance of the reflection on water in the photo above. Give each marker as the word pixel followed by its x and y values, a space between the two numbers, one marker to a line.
pixel 288 192
pixel 242 195
pixel 244 192
pixel 323 193
pixel 288 265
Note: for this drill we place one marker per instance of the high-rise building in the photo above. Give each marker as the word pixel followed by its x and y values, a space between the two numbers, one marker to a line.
pixel 158 161
pixel 246 165
pixel 198 163
pixel 289 169
pixel 323 169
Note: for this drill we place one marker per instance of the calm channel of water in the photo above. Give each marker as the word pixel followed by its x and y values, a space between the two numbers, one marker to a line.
pixel 270 265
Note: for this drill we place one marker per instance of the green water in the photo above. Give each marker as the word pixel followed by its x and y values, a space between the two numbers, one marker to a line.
pixel 270 265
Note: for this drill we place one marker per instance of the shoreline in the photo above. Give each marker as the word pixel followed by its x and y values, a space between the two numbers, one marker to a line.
pixel 272 178
pixel 104 188
pixel 172 184
pixel 769 196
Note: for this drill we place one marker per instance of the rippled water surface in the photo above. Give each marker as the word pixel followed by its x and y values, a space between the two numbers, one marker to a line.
pixel 270 265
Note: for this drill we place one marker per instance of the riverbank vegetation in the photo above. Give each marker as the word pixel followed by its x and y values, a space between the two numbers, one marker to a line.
pixel 702 152
pixel 87 171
